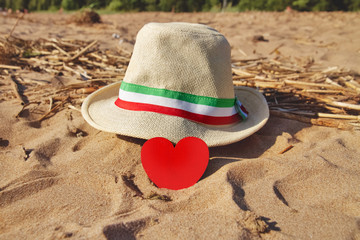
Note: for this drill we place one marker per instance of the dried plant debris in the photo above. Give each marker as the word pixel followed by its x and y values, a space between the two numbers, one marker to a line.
pixel 156 196
pixel 63 56
pixel 27 153
pixel 259 38
pixel 59 58
pixel 86 16
pixel 76 132
pixel 300 91
pixel 286 149
pixel 7 53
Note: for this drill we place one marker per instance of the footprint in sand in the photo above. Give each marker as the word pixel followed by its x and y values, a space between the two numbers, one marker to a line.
pixel 283 188
pixel 279 194
pixel 238 192
pixel 79 145
pixel 77 133
pixel 322 187
pixel 46 151
pixel 124 231
pixel 26 185
pixel 241 174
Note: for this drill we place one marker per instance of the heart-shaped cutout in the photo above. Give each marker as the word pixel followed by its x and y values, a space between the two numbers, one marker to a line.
pixel 175 167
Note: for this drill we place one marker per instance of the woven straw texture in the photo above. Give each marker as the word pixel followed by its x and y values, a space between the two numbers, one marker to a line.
pixel 190 58
pixel 183 57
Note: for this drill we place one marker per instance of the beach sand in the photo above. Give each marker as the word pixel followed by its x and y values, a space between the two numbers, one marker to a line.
pixel 57 182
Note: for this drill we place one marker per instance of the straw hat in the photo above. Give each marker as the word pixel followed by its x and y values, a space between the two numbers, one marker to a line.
pixel 178 84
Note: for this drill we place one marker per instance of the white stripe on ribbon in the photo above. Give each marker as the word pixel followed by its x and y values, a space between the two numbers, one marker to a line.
pixel 178 104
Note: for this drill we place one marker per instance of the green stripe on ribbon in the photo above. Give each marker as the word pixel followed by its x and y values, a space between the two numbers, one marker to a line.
pixel 203 100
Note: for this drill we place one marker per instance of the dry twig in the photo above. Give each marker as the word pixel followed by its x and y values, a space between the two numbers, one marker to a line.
pixel 10 67
pixel 83 51
pixel 286 149
pixel 16 23
pixel 52 110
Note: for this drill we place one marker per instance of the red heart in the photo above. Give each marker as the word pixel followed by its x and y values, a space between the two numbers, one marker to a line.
pixel 175 168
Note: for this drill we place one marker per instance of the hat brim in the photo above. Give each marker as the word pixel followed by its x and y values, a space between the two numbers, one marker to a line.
pixel 100 111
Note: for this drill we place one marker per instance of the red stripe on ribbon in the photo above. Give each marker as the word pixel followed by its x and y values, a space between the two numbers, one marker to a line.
pixel 178 112
pixel 244 109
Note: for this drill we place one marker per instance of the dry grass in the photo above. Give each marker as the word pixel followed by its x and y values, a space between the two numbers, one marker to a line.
pixel 8 52
pixel 300 91
pixel 58 57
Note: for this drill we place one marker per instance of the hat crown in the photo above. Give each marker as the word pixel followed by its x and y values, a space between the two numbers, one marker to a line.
pixel 183 57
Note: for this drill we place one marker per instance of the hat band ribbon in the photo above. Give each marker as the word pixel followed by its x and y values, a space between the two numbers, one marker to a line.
pixel 202 109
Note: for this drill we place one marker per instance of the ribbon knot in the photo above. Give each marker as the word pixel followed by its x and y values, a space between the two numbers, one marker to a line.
pixel 241 109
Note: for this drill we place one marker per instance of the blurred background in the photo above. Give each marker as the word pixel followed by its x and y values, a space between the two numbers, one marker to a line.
pixel 181 5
